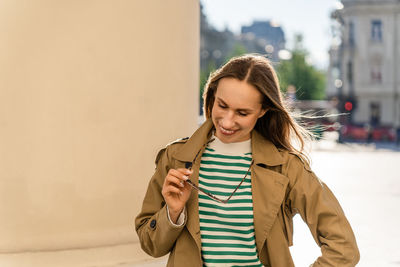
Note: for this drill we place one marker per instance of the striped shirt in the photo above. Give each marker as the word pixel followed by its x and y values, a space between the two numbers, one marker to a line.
pixel 227 230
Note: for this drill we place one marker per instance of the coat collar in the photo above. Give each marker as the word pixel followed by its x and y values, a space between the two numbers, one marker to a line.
pixel 263 151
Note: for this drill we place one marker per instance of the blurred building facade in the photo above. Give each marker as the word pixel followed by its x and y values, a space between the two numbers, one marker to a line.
pixel 268 38
pixel 364 60
pixel 216 47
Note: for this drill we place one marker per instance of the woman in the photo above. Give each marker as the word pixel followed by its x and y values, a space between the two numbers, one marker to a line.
pixel 252 181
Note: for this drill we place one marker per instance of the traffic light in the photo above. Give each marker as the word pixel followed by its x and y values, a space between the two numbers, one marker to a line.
pixel 348 105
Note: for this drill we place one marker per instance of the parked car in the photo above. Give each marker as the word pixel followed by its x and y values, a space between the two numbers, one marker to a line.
pixel 354 132
pixel 384 134
pixel 367 133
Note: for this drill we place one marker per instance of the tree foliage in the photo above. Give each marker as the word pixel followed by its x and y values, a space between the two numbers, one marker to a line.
pixel 308 81
pixel 204 74
pixel 238 50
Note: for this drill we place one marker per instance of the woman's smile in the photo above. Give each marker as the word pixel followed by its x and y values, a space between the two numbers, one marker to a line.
pixel 226 131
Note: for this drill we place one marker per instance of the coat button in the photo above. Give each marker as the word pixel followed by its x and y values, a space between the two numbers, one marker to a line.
pixel 153 224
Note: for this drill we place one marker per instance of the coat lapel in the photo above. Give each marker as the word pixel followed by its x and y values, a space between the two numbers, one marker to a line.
pixel 187 154
pixel 268 187
pixel 189 150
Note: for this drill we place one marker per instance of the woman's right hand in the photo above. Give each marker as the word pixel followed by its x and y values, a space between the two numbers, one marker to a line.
pixel 176 192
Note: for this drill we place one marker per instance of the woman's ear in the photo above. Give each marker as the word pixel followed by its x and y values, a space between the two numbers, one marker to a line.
pixel 262 113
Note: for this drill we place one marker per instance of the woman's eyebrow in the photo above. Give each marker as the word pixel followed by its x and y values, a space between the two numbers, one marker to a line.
pixel 239 109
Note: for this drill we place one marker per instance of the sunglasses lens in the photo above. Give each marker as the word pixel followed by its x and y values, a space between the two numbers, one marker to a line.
pixel 188 165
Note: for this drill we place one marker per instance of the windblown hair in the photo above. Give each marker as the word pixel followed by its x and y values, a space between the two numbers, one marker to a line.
pixel 277 125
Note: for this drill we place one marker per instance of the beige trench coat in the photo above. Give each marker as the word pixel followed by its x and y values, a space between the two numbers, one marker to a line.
pixel 282 186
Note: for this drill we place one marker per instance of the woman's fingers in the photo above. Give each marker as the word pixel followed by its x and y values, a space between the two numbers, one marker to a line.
pixel 175 181
pixel 178 176
pixel 182 174
pixel 173 189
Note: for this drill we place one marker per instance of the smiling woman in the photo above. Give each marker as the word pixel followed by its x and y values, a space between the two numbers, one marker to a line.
pixel 250 82
pixel 244 155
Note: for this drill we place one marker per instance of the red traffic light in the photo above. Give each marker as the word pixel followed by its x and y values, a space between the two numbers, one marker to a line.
pixel 348 106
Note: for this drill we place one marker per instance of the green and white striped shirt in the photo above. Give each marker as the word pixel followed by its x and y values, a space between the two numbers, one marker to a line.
pixel 227 230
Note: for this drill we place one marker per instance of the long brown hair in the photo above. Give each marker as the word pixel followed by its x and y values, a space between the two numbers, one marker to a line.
pixel 277 125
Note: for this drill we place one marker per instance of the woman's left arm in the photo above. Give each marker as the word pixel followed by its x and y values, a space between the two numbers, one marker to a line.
pixel 320 209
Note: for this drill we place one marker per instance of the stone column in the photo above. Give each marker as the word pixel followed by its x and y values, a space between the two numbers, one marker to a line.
pixel 89 91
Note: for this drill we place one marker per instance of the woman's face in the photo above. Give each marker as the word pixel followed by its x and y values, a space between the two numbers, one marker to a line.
pixel 237 106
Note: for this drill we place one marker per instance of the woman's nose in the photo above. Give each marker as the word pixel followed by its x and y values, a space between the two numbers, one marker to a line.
pixel 228 121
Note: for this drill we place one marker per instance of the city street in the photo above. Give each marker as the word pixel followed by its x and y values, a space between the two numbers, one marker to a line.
pixel 366 181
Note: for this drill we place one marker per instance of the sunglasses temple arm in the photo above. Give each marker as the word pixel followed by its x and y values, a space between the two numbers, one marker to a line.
pixel 193 185
pixel 204 192
pixel 251 164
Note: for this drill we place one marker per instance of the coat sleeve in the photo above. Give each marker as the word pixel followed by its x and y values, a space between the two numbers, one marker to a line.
pixel 321 211
pixel 157 234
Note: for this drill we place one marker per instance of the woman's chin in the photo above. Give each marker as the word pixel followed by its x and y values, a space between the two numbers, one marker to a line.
pixel 228 138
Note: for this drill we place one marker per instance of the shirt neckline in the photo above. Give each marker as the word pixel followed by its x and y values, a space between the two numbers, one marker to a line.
pixel 236 148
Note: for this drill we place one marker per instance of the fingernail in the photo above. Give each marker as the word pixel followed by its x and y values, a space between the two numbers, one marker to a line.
pixel 181 193
pixel 181 184
pixel 185 177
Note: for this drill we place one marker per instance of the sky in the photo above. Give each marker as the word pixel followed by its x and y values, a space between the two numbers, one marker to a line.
pixel 311 18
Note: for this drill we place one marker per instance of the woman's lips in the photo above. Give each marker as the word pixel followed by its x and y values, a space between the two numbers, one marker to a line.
pixel 226 132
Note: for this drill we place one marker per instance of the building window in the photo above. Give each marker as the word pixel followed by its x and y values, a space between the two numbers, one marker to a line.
pixel 375 114
pixel 351 33
pixel 350 72
pixel 376 74
pixel 376 30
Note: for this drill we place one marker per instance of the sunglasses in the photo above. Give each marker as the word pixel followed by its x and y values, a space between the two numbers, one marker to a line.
pixel 189 166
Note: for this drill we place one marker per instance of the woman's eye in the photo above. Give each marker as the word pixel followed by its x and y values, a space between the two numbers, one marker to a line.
pixel 221 106
pixel 243 114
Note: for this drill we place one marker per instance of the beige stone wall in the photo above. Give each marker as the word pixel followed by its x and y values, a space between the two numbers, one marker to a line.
pixel 89 90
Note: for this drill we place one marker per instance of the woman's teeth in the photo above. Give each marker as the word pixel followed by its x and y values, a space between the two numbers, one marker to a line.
pixel 226 131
